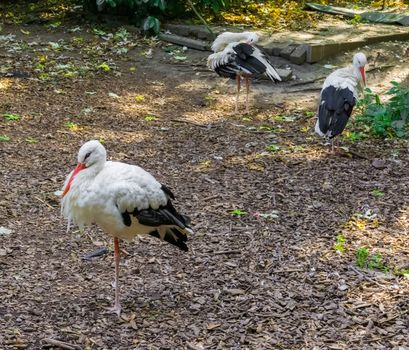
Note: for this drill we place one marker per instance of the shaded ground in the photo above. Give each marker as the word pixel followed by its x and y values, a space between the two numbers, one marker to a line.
pixel 268 280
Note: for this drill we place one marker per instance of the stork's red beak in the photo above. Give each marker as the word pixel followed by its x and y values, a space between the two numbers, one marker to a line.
pixel 79 167
pixel 362 69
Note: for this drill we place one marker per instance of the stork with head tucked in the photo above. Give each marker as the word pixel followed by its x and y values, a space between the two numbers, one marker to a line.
pixel 338 97
pixel 236 56
pixel 124 200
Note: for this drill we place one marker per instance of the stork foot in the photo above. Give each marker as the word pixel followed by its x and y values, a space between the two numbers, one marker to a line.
pixel 115 309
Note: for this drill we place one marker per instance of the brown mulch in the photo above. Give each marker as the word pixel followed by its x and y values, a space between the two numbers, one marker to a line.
pixel 270 279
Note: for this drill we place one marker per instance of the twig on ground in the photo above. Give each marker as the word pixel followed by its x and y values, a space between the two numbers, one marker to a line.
pixel 210 198
pixel 227 252
pixel 365 276
pixel 48 205
pixel 380 67
pixel 188 122
pixel 61 344
pixel 286 270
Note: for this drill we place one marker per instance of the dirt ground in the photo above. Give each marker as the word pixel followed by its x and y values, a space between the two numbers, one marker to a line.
pixel 269 279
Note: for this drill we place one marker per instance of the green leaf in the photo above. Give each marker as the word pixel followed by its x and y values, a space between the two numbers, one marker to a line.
pixel 339 246
pixel 238 213
pixel 150 118
pixel 31 140
pixel 4 138
pixel 377 193
pixel 71 125
pixel 11 117
pixel 272 147
pixel 151 23
pixel 361 256
pixel 104 67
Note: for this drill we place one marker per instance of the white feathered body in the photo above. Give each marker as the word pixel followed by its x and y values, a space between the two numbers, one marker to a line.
pixel 343 78
pixel 342 82
pixel 101 196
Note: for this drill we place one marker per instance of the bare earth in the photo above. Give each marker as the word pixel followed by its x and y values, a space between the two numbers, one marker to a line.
pixel 270 279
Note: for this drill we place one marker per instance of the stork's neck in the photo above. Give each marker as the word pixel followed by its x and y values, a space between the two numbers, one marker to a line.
pixel 357 73
pixel 88 174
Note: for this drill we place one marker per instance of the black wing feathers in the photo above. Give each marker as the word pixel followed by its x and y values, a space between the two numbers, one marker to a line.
pixel 335 109
pixel 163 216
pixel 167 190
pixel 242 60
pixel 174 237
pixel 243 50
pixel 245 59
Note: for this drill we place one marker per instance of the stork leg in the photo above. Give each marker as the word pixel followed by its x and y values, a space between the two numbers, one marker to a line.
pixel 238 80
pixel 117 306
pixel 333 146
pixel 248 82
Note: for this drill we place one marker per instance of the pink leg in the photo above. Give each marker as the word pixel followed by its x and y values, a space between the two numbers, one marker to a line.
pixel 117 306
pixel 238 78
pixel 247 93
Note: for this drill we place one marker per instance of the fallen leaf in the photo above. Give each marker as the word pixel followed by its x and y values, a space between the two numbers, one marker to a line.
pixel 211 326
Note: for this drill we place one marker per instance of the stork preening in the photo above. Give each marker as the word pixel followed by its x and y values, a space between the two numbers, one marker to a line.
pixel 124 200
pixel 338 97
pixel 236 56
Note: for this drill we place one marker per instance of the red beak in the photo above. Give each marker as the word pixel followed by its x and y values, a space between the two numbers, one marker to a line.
pixel 79 167
pixel 362 69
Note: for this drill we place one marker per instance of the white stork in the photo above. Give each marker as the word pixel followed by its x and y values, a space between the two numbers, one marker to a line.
pixel 124 200
pixel 338 97
pixel 236 57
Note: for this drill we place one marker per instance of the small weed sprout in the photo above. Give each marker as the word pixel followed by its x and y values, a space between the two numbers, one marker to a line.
pixel 361 256
pixel 339 245
pixel 238 213
pixel 11 117
pixel 4 138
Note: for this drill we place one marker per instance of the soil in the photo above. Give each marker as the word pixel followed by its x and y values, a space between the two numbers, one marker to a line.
pixel 273 278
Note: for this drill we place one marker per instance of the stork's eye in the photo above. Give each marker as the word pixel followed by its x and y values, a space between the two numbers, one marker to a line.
pixel 87 155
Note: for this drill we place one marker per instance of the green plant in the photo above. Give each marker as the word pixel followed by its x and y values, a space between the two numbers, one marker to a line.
pixel 339 245
pixel 272 147
pixel 377 193
pixel 355 20
pixel 150 118
pixel 385 119
pixel 401 271
pixel 354 136
pixel 104 67
pixel 376 262
pixel 238 213
pixel 4 138
pixel 361 256
pixel 11 117
pixel 71 125
pixel 144 12
pixel 31 140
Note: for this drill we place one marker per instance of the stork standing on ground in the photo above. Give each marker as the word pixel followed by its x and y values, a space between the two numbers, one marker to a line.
pixel 124 200
pixel 236 57
pixel 338 97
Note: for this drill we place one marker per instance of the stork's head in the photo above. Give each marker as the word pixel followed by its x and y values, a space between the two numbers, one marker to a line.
pixel 251 38
pixel 359 63
pixel 91 155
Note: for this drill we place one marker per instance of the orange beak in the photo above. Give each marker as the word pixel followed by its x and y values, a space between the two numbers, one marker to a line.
pixel 362 69
pixel 79 167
